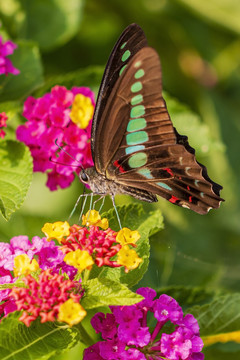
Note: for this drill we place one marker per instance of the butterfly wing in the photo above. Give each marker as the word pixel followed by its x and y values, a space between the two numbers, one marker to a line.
pixel 138 147
pixel 130 42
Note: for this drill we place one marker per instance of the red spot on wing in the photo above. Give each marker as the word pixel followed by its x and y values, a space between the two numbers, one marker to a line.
pixel 190 199
pixel 173 199
pixel 169 171
pixel 121 169
pixel 188 187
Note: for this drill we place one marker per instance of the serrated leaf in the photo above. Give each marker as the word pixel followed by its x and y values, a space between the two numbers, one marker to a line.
pixel 18 342
pixel 105 292
pixel 188 296
pixel 133 217
pixel 26 58
pixel 15 175
pixel 220 319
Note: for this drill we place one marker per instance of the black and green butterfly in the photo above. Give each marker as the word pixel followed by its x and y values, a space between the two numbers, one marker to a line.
pixel 135 148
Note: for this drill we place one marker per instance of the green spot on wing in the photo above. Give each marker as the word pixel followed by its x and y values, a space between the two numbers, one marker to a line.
pixel 137 99
pixel 136 124
pixel 137 64
pixel 165 186
pixel 122 69
pixel 137 111
pixel 136 138
pixel 132 149
pixel 137 160
pixel 126 55
pixel 123 45
pixel 146 173
pixel 139 74
pixel 137 86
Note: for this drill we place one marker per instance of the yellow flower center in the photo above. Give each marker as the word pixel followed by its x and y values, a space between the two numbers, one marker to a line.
pixel 23 265
pixel 80 259
pixel 126 236
pixel 71 312
pixel 128 258
pixel 82 111
pixel 57 230
pixel 92 217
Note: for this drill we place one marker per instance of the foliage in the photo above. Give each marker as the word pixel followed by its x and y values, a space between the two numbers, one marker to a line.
pixel 194 258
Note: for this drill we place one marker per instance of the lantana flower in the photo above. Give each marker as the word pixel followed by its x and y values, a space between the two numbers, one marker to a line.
pixel 59 118
pixel 126 334
pixel 7 48
pixel 48 298
pixel 40 262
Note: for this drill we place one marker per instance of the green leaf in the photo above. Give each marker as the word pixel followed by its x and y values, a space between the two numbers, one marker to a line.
pixel 188 122
pixel 187 295
pixel 15 175
pixel 17 341
pixel 225 13
pixel 133 217
pixel 50 22
pixel 90 76
pixel 219 317
pixel 26 58
pixel 105 292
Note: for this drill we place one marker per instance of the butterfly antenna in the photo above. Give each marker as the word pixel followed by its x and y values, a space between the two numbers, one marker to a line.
pixel 114 205
pixel 66 152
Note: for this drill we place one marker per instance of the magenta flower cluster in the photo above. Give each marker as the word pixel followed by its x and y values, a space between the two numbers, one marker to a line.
pixel 7 48
pixel 48 120
pixel 126 334
pixel 3 120
pixel 48 254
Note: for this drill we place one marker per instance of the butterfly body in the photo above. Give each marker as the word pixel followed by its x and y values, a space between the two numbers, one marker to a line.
pixel 135 148
pixel 100 185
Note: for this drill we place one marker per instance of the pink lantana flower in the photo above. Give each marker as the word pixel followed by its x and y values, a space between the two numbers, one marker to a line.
pixel 3 119
pixel 7 48
pixel 62 116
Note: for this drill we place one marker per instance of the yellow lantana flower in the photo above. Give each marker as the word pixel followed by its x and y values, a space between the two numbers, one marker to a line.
pixel 23 265
pixel 92 217
pixel 126 236
pixel 57 230
pixel 71 312
pixel 80 259
pixel 128 258
pixel 82 111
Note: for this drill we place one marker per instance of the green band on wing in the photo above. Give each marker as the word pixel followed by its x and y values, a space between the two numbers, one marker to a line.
pixel 165 186
pixel 123 45
pixel 122 69
pixel 136 124
pixel 136 99
pixel 126 55
pixel 139 74
pixel 146 173
pixel 136 138
pixel 137 111
pixel 132 149
pixel 137 86
pixel 137 160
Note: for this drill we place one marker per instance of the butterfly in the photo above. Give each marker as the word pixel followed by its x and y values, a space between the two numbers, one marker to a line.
pixel 135 148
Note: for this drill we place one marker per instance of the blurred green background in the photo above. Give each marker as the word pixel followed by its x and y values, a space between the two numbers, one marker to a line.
pixel 199 46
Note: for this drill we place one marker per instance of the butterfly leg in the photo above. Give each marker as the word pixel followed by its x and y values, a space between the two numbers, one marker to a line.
pixel 114 205
pixel 76 204
pixel 101 197
pixel 83 207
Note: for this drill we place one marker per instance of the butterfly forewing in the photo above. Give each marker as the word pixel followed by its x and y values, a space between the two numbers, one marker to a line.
pixel 135 142
pixel 129 43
